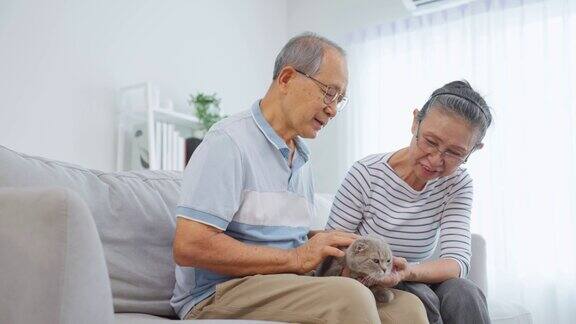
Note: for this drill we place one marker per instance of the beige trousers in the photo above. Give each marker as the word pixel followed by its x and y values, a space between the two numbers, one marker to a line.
pixel 302 299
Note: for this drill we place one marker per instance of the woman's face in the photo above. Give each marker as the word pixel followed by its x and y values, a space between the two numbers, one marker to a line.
pixel 441 141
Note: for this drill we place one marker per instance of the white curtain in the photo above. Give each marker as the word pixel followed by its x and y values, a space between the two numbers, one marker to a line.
pixel 521 55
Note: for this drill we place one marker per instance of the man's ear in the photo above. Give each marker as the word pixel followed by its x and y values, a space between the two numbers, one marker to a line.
pixel 415 121
pixel 479 146
pixel 284 77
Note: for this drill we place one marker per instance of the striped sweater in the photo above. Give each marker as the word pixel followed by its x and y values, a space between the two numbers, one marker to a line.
pixel 374 200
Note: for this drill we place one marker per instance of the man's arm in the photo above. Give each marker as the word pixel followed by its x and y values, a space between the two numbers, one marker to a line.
pixel 199 245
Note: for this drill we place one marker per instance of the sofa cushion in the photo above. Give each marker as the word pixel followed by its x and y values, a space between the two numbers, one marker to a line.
pixel 133 215
pixel 507 312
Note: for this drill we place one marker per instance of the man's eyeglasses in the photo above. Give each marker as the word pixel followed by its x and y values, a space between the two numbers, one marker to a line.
pixel 331 94
pixel 448 155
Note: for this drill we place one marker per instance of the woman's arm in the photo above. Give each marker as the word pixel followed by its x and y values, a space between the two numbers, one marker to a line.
pixel 428 272
pixel 433 271
pixel 454 243
pixel 455 239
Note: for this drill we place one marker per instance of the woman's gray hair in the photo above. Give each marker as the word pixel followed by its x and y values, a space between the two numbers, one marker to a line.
pixel 304 52
pixel 458 97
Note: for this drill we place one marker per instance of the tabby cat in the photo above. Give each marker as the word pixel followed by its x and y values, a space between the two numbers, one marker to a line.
pixel 368 259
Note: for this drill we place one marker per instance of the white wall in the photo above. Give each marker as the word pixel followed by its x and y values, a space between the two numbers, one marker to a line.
pixel 61 62
pixel 335 20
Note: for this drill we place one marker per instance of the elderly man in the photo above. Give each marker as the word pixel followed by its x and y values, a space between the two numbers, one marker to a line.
pixel 241 241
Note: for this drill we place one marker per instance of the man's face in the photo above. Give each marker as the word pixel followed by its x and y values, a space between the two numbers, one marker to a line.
pixel 305 110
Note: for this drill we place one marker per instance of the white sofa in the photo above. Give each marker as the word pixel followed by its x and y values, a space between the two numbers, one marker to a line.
pixel 85 246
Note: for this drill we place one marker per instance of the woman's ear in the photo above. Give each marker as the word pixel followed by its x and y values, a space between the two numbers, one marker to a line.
pixel 415 121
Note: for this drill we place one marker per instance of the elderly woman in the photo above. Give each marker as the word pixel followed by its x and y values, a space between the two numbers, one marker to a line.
pixel 420 196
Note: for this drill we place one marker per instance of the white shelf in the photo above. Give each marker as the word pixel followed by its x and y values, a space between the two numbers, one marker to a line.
pixel 139 106
pixel 177 118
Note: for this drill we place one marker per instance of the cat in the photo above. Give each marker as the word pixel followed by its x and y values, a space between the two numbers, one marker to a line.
pixel 369 259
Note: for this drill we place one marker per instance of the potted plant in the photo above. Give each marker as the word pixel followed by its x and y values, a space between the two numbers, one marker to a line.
pixel 207 110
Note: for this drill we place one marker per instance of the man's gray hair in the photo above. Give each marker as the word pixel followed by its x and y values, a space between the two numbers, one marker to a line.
pixel 304 52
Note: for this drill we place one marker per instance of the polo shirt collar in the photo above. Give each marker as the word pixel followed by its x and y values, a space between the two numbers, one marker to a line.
pixel 274 138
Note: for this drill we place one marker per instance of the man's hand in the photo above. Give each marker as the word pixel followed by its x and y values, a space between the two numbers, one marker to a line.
pixel 401 271
pixel 323 244
pixel 312 233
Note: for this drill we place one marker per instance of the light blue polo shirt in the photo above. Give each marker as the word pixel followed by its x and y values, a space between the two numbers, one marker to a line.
pixel 239 180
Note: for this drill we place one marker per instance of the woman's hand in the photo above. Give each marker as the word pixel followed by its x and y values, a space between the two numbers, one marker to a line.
pixel 401 271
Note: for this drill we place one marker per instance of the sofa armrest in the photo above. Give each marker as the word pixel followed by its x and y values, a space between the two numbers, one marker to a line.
pixel 477 271
pixel 53 266
pixel 478 263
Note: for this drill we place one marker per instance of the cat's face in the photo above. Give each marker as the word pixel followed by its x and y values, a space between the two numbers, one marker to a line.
pixel 369 257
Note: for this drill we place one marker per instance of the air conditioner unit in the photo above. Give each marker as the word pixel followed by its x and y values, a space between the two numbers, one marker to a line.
pixel 420 7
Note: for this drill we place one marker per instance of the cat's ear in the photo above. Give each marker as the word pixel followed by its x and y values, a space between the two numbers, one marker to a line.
pixel 360 247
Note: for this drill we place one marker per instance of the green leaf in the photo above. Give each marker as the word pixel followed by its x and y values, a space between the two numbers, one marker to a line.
pixel 207 109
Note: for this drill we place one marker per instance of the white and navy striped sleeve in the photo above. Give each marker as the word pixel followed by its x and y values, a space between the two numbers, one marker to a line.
pixel 455 237
pixel 351 200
